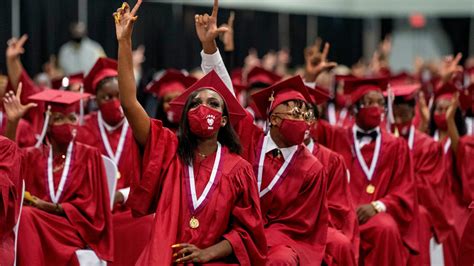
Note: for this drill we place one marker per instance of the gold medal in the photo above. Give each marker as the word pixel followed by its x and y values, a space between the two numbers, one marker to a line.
pixel 370 189
pixel 194 223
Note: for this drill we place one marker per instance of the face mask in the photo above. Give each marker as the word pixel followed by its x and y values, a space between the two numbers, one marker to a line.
pixel 111 112
pixel 402 128
pixel 204 121
pixel 369 117
pixel 62 134
pixel 293 131
pixel 340 100
pixel 440 121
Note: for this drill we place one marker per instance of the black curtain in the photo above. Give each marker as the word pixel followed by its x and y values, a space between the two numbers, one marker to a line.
pixel 168 32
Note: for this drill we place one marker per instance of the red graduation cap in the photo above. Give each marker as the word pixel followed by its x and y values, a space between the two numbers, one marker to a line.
pixel 342 78
pixel 262 76
pixel 76 78
pixel 67 81
pixel 103 68
pixel 171 81
pixel 290 89
pixel 60 101
pixel 445 91
pixel 401 78
pixel 213 82
pixel 407 91
pixel 236 76
pixel 358 87
pixel 319 95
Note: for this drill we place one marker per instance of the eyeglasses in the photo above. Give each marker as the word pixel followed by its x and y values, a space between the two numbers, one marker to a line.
pixel 296 113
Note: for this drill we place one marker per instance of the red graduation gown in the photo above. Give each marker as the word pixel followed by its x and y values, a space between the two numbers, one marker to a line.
pixel 25 135
pixel 231 210
pixel 127 229
pixel 394 186
pixel 466 250
pixel 49 239
pixel 432 189
pixel 343 229
pixel 458 198
pixel 10 194
pixel 295 210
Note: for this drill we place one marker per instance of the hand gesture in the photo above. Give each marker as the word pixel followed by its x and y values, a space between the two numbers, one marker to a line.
pixel 451 112
pixel 125 19
pixel 450 67
pixel 190 253
pixel 206 26
pixel 365 212
pixel 316 61
pixel 15 47
pixel 227 37
pixel 13 107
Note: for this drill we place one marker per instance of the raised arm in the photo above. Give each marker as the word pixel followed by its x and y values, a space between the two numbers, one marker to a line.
pixel 14 51
pixel 207 31
pixel 136 115
pixel 14 111
pixel 316 62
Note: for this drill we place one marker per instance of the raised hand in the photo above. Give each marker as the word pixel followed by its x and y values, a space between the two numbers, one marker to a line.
pixel 316 61
pixel 451 112
pixel 450 67
pixel 15 47
pixel 125 19
pixel 207 30
pixel 227 37
pixel 13 107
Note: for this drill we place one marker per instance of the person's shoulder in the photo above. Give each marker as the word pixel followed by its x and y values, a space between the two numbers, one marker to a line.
pixel 91 43
pixel 306 162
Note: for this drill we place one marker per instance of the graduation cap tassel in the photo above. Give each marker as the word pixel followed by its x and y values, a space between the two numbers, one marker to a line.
pixel 45 127
pixel 81 108
pixel 390 98
pixel 267 122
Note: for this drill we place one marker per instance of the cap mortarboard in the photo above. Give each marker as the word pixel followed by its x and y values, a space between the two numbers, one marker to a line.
pixel 262 76
pixel 213 82
pixel 290 89
pixel 60 101
pixel 171 81
pixel 103 68
pixel 358 87
pixel 407 91
pixel 319 95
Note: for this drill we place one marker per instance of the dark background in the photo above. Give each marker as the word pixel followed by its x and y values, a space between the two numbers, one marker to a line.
pixel 168 32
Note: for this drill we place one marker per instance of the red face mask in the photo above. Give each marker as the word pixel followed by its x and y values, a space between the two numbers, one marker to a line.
pixel 111 112
pixel 440 121
pixel 402 128
pixel 341 100
pixel 369 117
pixel 204 121
pixel 293 131
pixel 62 134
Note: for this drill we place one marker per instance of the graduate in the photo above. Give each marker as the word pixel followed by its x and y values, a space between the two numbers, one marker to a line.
pixel 291 182
pixel 167 88
pixel 10 197
pixel 109 131
pixel 382 182
pixel 68 198
pixel 447 126
pixel 431 181
pixel 342 247
pixel 202 192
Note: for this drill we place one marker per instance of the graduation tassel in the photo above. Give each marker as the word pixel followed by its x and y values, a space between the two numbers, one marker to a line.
pixel 81 107
pixel 45 127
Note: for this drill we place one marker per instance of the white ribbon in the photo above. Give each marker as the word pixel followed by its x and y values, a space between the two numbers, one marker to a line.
pixel 105 140
pixel 278 174
pixel 378 141
pixel 310 145
pixel 1 119
pixel 447 145
pixel 411 137
pixel 198 201
pixel 55 196
pixel 45 127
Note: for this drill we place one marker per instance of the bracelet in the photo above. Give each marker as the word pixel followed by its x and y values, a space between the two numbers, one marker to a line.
pixel 378 208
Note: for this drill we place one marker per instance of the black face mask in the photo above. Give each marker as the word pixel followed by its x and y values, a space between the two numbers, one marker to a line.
pixel 77 39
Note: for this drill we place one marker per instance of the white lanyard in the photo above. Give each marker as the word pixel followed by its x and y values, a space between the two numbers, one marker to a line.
pixel 310 146
pixel 342 116
pixel 378 142
pixel 1 119
pixel 446 145
pixel 278 174
pixel 118 153
pixel 55 196
pixel 198 201
pixel 332 114
pixel 411 137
